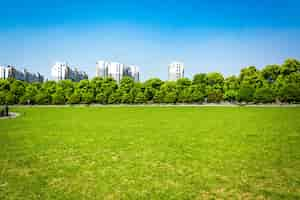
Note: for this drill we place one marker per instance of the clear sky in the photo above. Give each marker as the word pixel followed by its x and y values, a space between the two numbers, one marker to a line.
pixel 207 36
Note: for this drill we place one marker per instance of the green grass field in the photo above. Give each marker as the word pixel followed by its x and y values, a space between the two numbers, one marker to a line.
pixel 151 153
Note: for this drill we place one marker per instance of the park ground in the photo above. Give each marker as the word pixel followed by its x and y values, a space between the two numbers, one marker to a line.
pixel 151 153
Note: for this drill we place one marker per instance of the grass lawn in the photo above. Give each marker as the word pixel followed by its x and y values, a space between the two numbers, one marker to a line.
pixel 151 153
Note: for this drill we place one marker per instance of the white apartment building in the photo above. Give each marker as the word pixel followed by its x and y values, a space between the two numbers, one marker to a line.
pixel 102 68
pixel 134 72
pixel 2 72
pixel 12 72
pixel 62 71
pixel 175 71
pixel 59 71
pixel 116 70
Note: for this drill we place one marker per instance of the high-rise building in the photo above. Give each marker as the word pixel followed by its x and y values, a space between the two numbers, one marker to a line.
pixel 134 72
pixel 102 68
pixel 175 71
pixel 116 70
pixel 2 72
pixel 62 71
pixel 12 72
pixel 59 71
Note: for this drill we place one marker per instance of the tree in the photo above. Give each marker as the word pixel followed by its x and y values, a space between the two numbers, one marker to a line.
pixel 114 98
pixel 183 90
pixel 183 83
pixel 289 66
pixel 215 96
pixel 251 76
pixel 126 84
pixel 273 82
pixel 230 95
pixel 215 80
pixel 58 97
pixel 96 84
pixel 108 87
pixel 168 92
pixel 2 97
pixel 43 97
pixel 49 87
pixel 270 73
pixel 170 97
pixel 158 97
pixel 4 85
pixel 140 98
pixel 87 97
pixel 197 96
pixel 24 100
pixel 66 87
pixel 126 98
pixel 264 95
pixel 100 98
pixel 74 98
pixel 29 95
pixel 184 95
pixel 10 98
pixel 290 93
pixel 200 79
pixel 231 83
pixel 246 93
pixel 17 88
pixel 151 87
pixel 138 87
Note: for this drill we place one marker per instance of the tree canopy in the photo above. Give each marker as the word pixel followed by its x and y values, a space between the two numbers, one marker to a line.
pixel 273 83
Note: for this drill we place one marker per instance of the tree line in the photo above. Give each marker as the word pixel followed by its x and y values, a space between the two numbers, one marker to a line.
pixel 273 83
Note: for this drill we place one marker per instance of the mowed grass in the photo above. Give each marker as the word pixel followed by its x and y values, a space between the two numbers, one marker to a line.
pixel 151 153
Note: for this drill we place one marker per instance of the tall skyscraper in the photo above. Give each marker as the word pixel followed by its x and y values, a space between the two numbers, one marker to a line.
pixel 116 70
pixel 62 71
pixel 175 71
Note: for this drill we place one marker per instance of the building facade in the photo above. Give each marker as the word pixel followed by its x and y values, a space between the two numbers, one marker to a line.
pixel 11 72
pixel 134 72
pixel 175 71
pixel 2 72
pixel 59 71
pixel 62 71
pixel 116 70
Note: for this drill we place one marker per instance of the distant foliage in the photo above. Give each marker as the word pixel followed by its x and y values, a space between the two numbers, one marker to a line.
pixel 273 83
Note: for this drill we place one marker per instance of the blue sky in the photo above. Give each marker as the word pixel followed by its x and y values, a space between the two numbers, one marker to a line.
pixel 207 36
